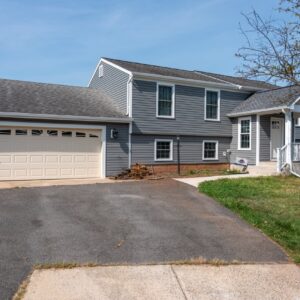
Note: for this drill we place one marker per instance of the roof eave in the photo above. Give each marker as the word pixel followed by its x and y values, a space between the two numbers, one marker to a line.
pixel 65 117
pixel 258 111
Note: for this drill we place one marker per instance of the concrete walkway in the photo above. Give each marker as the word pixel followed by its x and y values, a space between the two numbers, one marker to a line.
pixel 264 169
pixel 281 281
pixel 194 181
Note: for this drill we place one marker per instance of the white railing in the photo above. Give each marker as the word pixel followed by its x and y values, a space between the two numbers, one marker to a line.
pixel 282 157
pixel 296 152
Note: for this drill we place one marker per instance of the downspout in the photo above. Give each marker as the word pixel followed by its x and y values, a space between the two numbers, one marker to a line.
pixel 129 113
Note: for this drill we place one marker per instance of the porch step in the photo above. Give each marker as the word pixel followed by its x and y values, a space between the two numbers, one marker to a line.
pixel 263 169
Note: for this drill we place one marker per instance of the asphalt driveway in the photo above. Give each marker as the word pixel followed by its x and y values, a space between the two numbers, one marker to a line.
pixel 133 222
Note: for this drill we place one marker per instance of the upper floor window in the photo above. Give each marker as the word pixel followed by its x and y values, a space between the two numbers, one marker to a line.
pixel 212 105
pixel 165 103
pixel 244 134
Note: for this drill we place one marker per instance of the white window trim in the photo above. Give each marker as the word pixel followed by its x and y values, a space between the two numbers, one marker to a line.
pixel 239 133
pixel 171 149
pixel 219 104
pixel 217 149
pixel 158 84
pixel 101 71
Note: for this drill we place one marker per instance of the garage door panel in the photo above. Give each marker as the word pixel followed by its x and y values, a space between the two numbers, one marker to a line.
pixel 5 159
pixel 20 173
pixel 20 159
pixel 43 156
pixel 35 172
pixel 36 159
pixel 66 158
pixel 5 173
pixel 52 159
pixel 80 172
pixel 66 172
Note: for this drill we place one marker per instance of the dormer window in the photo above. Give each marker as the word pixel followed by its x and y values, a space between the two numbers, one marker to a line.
pixel 101 71
pixel 165 102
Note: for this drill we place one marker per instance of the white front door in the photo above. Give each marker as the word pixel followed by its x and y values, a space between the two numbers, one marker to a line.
pixel 276 136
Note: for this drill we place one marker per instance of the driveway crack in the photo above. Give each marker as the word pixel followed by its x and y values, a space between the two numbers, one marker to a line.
pixel 179 283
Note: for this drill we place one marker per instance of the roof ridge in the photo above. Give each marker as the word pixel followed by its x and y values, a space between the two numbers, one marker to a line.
pixel 190 71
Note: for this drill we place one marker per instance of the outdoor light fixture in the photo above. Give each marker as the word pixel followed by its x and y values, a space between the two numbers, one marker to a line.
pixel 114 133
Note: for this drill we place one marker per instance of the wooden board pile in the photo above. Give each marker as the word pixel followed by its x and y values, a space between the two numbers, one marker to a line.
pixel 136 172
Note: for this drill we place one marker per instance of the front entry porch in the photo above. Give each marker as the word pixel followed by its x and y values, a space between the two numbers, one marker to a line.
pixel 277 140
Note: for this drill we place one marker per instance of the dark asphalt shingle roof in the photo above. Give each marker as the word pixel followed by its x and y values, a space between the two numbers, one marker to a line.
pixel 242 81
pixel 186 74
pixel 54 99
pixel 280 97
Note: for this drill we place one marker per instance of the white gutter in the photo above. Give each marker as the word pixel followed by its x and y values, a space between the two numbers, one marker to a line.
pixel 256 111
pixel 197 82
pixel 64 117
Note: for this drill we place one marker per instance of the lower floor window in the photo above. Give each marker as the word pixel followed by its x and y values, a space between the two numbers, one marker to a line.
pixel 210 150
pixel 163 149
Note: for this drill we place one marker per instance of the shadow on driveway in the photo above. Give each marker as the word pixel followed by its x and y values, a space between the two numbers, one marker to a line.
pixel 131 222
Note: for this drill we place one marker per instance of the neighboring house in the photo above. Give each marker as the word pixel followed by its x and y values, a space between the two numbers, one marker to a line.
pixel 137 113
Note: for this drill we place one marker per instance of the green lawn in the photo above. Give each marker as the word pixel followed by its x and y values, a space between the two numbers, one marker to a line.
pixel 272 204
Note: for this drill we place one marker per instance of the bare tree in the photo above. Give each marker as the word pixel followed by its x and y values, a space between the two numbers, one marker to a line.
pixel 272 50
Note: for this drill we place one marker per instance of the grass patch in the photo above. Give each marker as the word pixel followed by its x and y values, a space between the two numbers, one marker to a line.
pixel 271 204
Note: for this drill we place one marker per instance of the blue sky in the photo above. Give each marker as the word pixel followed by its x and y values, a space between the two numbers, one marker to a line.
pixel 62 41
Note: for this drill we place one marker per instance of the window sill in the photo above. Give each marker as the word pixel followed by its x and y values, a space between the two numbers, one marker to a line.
pixel 165 117
pixel 163 160
pixel 212 120
pixel 210 159
pixel 244 149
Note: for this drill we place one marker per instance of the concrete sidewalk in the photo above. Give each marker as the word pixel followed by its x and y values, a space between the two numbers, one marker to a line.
pixel 277 281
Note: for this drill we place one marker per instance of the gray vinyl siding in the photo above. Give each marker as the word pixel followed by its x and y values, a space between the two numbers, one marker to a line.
pixel 190 149
pixel 117 149
pixel 265 138
pixel 189 111
pixel 113 83
pixel 250 155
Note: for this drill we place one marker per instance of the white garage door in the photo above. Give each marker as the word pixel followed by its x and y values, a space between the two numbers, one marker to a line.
pixel 41 153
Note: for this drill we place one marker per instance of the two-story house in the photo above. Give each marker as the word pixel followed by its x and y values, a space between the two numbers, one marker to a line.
pixel 138 113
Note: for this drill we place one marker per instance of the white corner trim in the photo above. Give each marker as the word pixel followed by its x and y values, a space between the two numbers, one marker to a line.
pixel 158 84
pixel 217 149
pixel 103 153
pixel 257 139
pixel 171 149
pixel 239 133
pixel 219 104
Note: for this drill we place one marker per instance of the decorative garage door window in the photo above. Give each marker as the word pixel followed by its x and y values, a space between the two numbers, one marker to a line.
pixel 49 132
